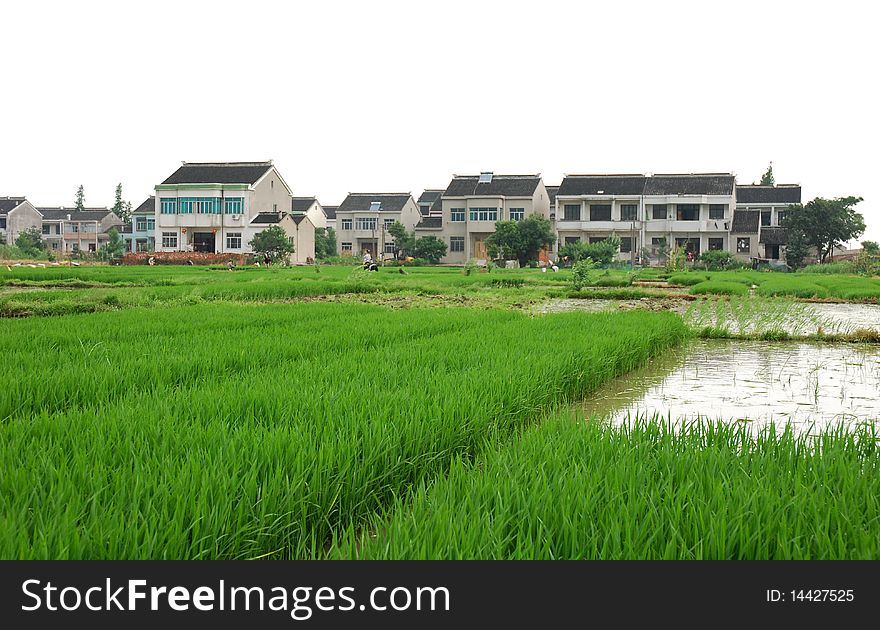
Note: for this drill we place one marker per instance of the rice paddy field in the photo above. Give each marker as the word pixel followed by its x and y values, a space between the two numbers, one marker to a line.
pixel 199 413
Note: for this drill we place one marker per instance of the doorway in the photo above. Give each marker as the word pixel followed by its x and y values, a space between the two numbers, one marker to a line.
pixel 204 242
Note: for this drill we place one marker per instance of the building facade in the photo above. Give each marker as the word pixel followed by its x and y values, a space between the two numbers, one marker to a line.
pixel 140 234
pixel 760 211
pixel 212 207
pixel 472 204
pixel 310 207
pixel 650 214
pixel 363 219
pixel 68 231
pixel 17 215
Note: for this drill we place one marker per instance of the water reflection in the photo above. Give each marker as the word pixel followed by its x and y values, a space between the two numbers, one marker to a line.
pixel 806 384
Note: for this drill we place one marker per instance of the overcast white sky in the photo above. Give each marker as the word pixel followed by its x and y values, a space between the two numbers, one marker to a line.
pixel 397 96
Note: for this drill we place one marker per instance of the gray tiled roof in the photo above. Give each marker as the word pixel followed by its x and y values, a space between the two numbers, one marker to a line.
pixel 8 203
pixel 607 184
pixel 219 173
pixel 299 205
pixel 501 185
pixel 551 192
pixel 693 184
pixel 360 202
pixel 88 214
pixel 330 211
pixel 784 193
pixel 773 236
pixel 430 195
pixel 147 207
pixel 298 218
pixel 269 218
pixel 745 221
pixel 430 223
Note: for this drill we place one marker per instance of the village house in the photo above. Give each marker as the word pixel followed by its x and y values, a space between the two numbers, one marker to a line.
pixel 757 230
pixel 140 234
pixel 17 215
pixel 299 229
pixel 472 204
pixel 217 207
pixel 310 207
pixel 650 214
pixel 68 231
pixel 330 214
pixel 363 220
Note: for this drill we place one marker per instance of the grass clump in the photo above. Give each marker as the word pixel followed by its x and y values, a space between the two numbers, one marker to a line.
pixel 645 490
pixel 719 287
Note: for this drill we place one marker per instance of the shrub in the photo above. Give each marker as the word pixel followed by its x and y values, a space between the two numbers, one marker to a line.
pixel 581 273
pixel 716 260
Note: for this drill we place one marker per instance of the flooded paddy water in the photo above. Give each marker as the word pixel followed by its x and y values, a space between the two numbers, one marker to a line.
pixel 810 385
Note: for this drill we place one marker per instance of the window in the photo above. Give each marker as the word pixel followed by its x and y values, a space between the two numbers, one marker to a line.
pixel 140 224
pixel 389 248
pixel 716 244
pixel 93 247
pixel 629 212
pixel 626 244
pixel 780 217
pixel 743 245
pixel 687 211
pixel 484 214
pixel 168 206
pixel 45 227
pixel 765 217
pixel 346 225
pixel 716 210
pixel 572 239
pixel 365 223
pixel 184 206
pixel 233 240
pixel 456 215
pixel 89 227
pixel 3 224
pixel 690 245
pixel 346 247
pixel 151 224
pixel 206 205
pixel 571 212
pixel 658 211
pixel 388 223
pixel 598 239
pixel 74 227
pixel 169 239
pixel 600 212
pixel 658 242
pixel 517 214
pixel 233 205
pixel 456 243
pixel 54 244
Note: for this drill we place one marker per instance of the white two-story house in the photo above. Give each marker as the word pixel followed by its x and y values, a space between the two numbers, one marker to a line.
pixel 363 219
pixel 213 207
pixel 472 204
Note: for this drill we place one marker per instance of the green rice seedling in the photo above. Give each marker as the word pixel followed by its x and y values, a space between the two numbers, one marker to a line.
pixel 719 287
pixel 583 489
pixel 263 431
pixel 688 279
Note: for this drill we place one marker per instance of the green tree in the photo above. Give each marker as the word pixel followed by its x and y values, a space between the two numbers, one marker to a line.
pixel 403 241
pixel 796 249
pixel 115 246
pixel 430 248
pixel 871 247
pixel 80 199
pixel 520 240
pixel 824 223
pixel 325 242
pixel 30 241
pixel 601 253
pixel 274 242
pixel 767 178
pixel 121 208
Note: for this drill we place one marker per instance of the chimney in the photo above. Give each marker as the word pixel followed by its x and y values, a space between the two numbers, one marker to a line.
pixel 68 217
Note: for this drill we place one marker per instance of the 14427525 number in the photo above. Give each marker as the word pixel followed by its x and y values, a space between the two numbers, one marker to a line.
pixel 822 595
